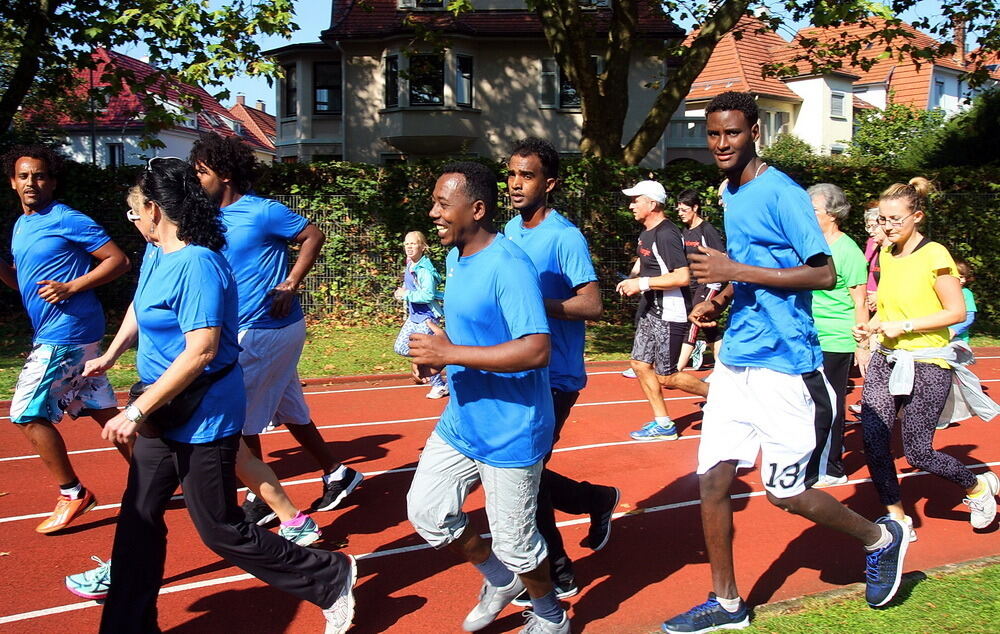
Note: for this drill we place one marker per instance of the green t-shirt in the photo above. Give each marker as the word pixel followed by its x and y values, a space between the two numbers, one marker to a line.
pixel 970 307
pixel 833 310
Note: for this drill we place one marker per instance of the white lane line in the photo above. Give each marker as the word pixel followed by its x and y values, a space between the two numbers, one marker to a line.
pixel 207 583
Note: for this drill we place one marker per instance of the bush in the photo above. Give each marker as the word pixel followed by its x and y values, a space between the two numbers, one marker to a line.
pixel 788 149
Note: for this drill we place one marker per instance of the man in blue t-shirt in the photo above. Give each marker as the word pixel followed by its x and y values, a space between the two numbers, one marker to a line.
pixel 497 427
pixel 54 248
pixel 571 295
pixel 272 329
pixel 769 395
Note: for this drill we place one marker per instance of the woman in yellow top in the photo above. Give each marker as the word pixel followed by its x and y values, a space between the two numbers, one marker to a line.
pixel 919 296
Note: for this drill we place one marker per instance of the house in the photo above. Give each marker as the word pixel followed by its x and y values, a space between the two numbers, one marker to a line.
pixel 361 93
pixel 260 123
pixel 112 137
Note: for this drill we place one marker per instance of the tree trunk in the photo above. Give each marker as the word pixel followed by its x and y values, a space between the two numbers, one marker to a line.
pixel 36 34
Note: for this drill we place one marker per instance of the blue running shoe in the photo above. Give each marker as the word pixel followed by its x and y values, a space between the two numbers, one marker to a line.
pixel 303 535
pixel 92 584
pixel 884 567
pixel 655 431
pixel 708 617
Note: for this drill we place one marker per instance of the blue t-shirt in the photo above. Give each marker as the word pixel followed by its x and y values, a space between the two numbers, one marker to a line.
pixel 179 292
pixel 56 244
pixel 770 223
pixel 561 256
pixel 502 419
pixel 257 235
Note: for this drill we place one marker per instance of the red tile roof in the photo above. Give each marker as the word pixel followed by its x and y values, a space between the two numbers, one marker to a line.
pixel 358 19
pixel 123 111
pixel 263 125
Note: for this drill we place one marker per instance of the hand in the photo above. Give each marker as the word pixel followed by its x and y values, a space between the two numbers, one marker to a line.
pixel 628 287
pixel 891 329
pixel 705 314
pixel 98 366
pixel 282 297
pixel 862 357
pixel 422 373
pixel 119 430
pixel 430 350
pixel 54 292
pixel 862 332
pixel 872 301
pixel 399 293
pixel 711 266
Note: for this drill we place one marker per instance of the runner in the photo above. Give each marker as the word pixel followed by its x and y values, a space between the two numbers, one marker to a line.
pixel 54 247
pixel 272 325
pixel 768 390
pixel 497 427
pixel 571 295
pixel 912 370
pixel 661 274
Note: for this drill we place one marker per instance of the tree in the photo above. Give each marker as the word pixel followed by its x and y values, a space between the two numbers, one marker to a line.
pixel 967 139
pixel 887 135
pixel 44 42
pixel 569 30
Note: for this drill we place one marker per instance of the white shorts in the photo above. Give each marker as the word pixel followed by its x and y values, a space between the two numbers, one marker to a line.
pixel 274 392
pixel 757 410
pixel 50 384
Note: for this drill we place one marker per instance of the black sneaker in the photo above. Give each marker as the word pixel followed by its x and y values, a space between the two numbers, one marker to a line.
pixel 600 519
pixel 563 590
pixel 335 491
pixel 258 512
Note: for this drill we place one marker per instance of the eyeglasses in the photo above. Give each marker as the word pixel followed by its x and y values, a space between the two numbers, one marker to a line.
pixel 895 222
pixel 131 215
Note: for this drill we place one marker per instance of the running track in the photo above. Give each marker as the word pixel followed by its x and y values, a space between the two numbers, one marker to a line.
pixel 653 567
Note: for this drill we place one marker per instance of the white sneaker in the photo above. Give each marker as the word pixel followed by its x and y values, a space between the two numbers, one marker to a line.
pixel 438 391
pixel 698 355
pixel 983 509
pixel 629 374
pixel 909 526
pixel 856 408
pixel 341 613
pixel 829 481
pixel 537 625
pixel 492 601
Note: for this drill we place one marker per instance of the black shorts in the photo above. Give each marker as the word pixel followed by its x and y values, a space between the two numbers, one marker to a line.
pixel 711 333
pixel 658 343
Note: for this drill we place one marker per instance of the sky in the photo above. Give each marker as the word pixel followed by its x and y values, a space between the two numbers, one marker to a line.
pixel 313 16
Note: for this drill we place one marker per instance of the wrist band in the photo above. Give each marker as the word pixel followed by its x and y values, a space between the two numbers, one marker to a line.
pixel 643 283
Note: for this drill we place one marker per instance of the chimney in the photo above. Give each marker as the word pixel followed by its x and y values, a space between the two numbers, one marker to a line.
pixel 959 41
pixel 241 99
pixel 260 105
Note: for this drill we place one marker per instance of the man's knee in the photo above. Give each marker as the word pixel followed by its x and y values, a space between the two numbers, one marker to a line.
pixel 791 504
pixel 714 483
pixel 435 524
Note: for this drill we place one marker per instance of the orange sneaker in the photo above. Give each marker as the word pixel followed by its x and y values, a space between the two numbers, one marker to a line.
pixel 66 511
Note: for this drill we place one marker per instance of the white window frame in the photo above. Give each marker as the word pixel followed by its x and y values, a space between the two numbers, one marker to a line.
pixel 836 96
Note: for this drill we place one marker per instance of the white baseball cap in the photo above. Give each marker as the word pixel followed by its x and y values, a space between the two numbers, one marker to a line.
pixel 649 189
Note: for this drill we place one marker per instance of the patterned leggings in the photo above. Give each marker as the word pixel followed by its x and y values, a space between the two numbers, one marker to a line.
pixel 402 345
pixel 920 413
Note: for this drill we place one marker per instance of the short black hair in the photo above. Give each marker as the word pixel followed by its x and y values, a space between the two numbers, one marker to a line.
pixel 733 100
pixel 53 161
pixel 229 157
pixel 480 183
pixel 691 198
pixel 541 148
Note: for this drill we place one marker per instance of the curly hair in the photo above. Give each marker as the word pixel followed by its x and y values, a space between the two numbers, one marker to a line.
pixel 733 100
pixel 480 183
pixel 229 157
pixel 834 200
pixel 53 162
pixel 541 148
pixel 173 185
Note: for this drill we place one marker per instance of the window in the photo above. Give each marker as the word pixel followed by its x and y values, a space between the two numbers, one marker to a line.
pixel 426 80
pixel 557 90
pixel 116 154
pixel 430 4
pixel 837 105
pixel 391 81
pixel 328 88
pixel 289 159
pixel 463 80
pixel 290 103
pixel 938 93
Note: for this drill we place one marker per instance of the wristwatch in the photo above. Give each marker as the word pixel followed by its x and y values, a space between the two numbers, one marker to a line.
pixel 907 326
pixel 133 414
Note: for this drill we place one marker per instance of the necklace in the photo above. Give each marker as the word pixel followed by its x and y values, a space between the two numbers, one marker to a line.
pixel 760 168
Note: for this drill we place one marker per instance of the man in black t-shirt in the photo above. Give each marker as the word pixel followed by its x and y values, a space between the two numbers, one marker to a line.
pixel 661 275
pixel 698 232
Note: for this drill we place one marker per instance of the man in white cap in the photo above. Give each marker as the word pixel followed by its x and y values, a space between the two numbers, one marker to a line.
pixel 661 274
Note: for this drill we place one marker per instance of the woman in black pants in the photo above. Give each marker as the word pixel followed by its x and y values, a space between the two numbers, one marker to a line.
pixel 184 317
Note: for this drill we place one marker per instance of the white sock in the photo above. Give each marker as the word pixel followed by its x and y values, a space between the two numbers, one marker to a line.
pixel 73 493
pixel 729 605
pixel 250 496
pixel 882 541
pixel 663 421
pixel 336 474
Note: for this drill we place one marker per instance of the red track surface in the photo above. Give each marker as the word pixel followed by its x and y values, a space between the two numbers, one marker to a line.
pixel 654 566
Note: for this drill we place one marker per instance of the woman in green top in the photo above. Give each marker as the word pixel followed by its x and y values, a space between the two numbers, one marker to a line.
pixel 836 312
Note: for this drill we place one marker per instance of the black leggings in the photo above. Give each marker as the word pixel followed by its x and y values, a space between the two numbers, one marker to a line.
pixel 920 413
pixel 837 368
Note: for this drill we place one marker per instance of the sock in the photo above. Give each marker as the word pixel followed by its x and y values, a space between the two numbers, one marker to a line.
pixel 547 607
pixel 882 541
pixel 663 421
pixel 980 489
pixel 250 496
pixel 337 474
pixel 495 572
pixel 73 490
pixel 729 605
pixel 296 521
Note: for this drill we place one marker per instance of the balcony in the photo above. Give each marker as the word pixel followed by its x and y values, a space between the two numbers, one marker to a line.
pixel 685 132
pixel 429 130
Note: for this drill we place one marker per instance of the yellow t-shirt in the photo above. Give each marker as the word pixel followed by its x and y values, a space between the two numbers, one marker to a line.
pixel 906 291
